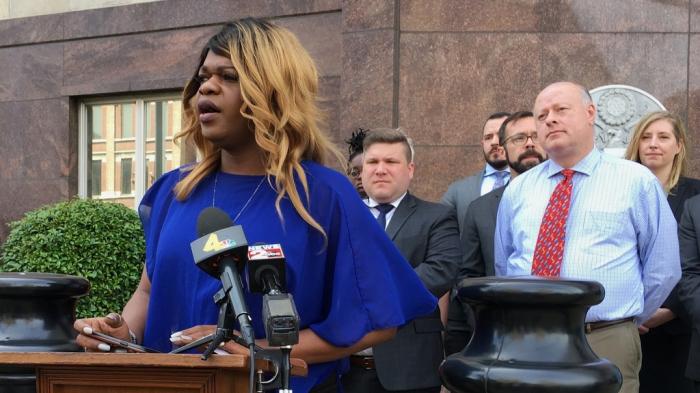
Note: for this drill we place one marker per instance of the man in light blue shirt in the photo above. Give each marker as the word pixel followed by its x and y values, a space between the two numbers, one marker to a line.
pixel 620 230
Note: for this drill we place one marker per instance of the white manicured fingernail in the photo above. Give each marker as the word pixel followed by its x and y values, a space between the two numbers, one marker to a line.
pixel 87 330
pixel 176 334
pixel 103 347
pixel 183 337
pixel 174 339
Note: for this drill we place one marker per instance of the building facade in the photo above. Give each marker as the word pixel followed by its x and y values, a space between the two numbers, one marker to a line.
pixel 89 98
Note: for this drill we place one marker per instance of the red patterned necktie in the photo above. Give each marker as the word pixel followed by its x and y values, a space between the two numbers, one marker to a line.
pixel 549 250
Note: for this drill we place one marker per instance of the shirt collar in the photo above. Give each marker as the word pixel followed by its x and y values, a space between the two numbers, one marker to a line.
pixel 585 166
pixel 489 170
pixel 372 203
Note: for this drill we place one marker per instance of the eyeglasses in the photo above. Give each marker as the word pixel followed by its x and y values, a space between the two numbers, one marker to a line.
pixel 520 139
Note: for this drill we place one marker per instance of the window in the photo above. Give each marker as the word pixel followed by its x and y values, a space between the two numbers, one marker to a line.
pixel 129 144
pixel 126 176
pixel 96 177
pixel 128 120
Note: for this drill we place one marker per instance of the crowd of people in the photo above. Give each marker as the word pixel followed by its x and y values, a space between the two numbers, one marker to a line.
pixel 368 260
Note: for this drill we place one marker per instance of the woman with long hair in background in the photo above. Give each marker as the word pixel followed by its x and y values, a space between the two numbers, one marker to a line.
pixel 659 142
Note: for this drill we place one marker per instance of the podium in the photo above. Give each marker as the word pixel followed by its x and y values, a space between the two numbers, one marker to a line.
pixel 80 372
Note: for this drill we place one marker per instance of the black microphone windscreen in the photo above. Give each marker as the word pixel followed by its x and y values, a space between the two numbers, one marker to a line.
pixel 211 220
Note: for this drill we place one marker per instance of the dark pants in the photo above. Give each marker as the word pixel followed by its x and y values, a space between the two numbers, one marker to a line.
pixel 359 380
pixel 329 385
pixel 460 326
pixel 697 386
pixel 664 358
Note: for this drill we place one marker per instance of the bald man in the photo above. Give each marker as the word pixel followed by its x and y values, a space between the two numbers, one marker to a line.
pixel 607 220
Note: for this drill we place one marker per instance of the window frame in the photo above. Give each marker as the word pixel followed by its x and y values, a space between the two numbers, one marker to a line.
pixel 139 164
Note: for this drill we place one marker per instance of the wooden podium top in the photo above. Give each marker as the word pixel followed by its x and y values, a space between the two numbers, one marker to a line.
pixel 83 372
pixel 165 360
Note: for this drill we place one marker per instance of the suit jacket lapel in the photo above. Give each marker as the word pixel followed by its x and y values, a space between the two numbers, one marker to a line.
pixel 403 211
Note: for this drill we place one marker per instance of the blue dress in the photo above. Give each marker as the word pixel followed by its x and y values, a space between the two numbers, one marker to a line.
pixel 356 283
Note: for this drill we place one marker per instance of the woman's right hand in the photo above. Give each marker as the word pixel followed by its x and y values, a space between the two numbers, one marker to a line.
pixel 113 324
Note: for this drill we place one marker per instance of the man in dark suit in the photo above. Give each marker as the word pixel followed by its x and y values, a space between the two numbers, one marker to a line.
pixel 689 285
pixel 523 151
pixel 494 175
pixel 427 235
pixel 460 321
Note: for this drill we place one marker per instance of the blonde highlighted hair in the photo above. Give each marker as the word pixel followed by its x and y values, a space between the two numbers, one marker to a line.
pixel 279 85
pixel 680 161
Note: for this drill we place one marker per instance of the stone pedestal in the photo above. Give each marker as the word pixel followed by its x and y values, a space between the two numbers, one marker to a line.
pixel 529 337
pixel 37 311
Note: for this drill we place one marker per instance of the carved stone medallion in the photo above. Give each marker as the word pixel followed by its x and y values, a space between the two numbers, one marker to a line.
pixel 619 109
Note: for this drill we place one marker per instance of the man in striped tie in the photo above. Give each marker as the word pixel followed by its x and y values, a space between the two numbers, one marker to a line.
pixel 586 215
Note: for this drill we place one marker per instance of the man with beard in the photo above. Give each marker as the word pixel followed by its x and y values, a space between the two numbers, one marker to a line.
pixel 459 319
pixel 523 151
pixel 494 175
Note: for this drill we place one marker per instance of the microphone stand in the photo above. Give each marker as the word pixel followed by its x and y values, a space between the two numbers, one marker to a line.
pixel 279 357
pixel 286 368
pixel 224 328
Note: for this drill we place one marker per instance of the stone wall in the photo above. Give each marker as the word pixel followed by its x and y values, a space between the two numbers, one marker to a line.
pixel 10 9
pixel 436 68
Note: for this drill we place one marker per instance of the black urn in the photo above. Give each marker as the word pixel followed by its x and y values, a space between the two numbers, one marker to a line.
pixel 37 311
pixel 529 337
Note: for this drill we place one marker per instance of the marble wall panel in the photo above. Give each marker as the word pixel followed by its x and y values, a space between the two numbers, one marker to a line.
pixel 613 15
pixel 366 89
pixel 469 15
pixel 37 29
pixel 163 60
pixel 31 72
pixel 368 15
pixel 35 140
pixel 439 166
pixel 695 16
pixel 329 102
pixel 694 104
pixel 182 13
pixel 104 62
pixel 326 51
pixel 656 63
pixel 451 82
pixel 297 7
pixel 20 196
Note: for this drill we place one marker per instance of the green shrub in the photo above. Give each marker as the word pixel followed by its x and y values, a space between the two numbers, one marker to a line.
pixel 100 241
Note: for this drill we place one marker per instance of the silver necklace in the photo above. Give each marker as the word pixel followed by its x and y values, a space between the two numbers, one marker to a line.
pixel 213 196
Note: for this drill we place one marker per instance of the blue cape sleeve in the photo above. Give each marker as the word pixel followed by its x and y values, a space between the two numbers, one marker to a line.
pixel 152 211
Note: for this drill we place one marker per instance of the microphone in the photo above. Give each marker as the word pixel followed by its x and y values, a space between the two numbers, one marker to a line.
pixel 221 251
pixel 266 274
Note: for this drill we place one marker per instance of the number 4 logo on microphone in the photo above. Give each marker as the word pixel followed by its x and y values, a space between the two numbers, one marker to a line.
pixel 213 244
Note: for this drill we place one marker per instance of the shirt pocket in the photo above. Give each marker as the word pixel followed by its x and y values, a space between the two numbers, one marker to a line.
pixel 604 232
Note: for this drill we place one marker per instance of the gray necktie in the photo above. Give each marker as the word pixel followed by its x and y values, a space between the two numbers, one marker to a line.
pixel 500 179
pixel 384 209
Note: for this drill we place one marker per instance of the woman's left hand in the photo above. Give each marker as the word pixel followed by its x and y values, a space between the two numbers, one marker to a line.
pixel 187 336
